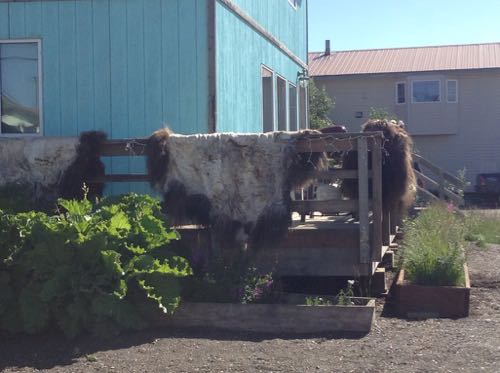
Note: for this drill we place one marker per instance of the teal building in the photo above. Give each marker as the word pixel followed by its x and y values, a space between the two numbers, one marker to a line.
pixel 129 67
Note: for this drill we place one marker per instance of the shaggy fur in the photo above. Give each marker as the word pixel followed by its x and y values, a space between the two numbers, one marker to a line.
pixel 157 157
pixel 37 163
pixel 398 178
pixel 87 166
pixel 239 185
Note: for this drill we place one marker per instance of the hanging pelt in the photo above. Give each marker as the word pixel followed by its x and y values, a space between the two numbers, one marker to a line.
pixel 398 177
pixel 238 184
pixel 87 166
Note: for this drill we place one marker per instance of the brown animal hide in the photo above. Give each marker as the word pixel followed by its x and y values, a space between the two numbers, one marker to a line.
pixel 238 184
pixel 86 166
pixel 398 177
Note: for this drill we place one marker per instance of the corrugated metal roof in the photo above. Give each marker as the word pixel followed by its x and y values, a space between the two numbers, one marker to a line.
pixel 378 61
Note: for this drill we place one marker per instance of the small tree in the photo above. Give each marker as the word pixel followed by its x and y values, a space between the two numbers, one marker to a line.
pixel 319 106
pixel 381 113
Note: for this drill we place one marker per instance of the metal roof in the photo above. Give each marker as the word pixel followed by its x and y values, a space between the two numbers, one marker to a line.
pixel 416 59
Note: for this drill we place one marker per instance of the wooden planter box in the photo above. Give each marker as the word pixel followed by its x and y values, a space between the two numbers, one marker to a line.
pixel 274 318
pixel 418 301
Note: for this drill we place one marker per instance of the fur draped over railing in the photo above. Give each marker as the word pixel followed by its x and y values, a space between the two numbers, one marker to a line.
pixel 398 178
pixel 237 184
pixel 52 167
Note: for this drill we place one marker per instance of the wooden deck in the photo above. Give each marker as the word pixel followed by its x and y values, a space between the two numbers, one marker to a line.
pixel 334 244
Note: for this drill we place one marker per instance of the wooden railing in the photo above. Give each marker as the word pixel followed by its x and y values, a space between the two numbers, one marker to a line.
pixel 368 208
pixel 374 223
pixel 442 186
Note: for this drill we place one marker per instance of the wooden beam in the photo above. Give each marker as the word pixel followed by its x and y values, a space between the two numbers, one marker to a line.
pixel 436 169
pixel 376 244
pixel 364 222
pixel 120 178
pixel 123 147
pixel 329 206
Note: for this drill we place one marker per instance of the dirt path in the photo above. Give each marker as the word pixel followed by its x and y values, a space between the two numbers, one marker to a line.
pixel 465 345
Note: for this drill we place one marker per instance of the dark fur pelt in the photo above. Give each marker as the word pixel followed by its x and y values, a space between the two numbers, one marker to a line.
pixel 157 157
pixel 398 177
pixel 303 164
pixel 86 166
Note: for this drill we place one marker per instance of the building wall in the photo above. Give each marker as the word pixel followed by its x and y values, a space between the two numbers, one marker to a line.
pixel 280 19
pixel 125 67
pixel 453 135
pixel 241 52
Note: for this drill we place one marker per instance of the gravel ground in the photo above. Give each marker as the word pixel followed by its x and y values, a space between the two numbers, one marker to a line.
pixel 437 345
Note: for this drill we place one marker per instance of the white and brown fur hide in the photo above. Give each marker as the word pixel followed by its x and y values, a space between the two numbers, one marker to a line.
pixel 238 184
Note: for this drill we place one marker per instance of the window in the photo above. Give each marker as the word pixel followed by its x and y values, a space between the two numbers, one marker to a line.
pixel 281 104
pixel 452 91
pixel 267 100
pixel 20 92
pixel 426 91
pixel 400 93
pixel 303 108
pixel 292 106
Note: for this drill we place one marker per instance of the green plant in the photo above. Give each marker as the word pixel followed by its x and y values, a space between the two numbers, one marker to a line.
pixel 89 268
pixel 317 301
pixel 482 228
pixel 320 105
pixel 344 296
pixel 237 282
pixel 433 247
pixel 381 113
pixel 16 198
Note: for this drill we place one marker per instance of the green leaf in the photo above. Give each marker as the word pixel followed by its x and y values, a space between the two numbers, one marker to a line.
pixel 119 224
pixel 117 309
pixel 163 289
pixel 34 312
pixel 111 260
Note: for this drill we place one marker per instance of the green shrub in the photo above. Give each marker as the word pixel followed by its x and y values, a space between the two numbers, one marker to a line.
pixel 78 270
pixel 433 247
pixel 16 198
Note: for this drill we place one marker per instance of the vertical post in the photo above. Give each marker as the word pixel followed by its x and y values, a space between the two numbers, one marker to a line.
pixel 364 223
pixel 441 185
pixel 386 227
pixel 376 156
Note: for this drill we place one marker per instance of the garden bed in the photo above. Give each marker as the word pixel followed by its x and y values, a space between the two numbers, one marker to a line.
pixel 274 318
pixel 419 301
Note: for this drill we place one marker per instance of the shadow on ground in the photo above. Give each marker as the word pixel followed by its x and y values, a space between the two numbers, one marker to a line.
pixel 54 349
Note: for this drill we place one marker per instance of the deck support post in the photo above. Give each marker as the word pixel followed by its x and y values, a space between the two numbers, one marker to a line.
pixel 364 222
pixel 376 158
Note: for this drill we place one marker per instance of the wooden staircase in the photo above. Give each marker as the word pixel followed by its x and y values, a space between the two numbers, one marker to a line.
pixel 436 184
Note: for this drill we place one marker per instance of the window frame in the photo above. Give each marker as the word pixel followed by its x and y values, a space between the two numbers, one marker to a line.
pixel 294 86
pixel 397 93
pixel 273 97
pixel 38 43
pixel 426 80
pixel 277 107
pixel 456 91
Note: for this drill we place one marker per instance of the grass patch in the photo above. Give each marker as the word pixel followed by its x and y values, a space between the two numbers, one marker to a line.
pixel 483 228
pixel 433 247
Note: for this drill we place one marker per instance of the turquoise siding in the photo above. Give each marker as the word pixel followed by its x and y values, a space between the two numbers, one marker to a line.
pixel 241 52
pixel 278 17
pixel 126 67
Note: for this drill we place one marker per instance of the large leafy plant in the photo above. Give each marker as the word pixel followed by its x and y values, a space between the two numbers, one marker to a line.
pixel 88 268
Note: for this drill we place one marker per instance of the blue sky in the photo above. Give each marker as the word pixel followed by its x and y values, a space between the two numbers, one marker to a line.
pixel 366 24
